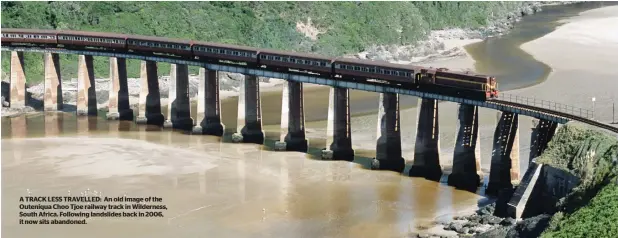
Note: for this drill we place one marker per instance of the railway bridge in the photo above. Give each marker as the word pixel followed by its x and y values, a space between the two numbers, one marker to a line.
pixel 466 170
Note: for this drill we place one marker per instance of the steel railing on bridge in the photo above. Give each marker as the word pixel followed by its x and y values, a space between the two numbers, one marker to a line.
pixel 545 104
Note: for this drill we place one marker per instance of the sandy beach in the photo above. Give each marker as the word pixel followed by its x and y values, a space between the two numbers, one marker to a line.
pixel 279 193
pixel 582 55
pixel 589 40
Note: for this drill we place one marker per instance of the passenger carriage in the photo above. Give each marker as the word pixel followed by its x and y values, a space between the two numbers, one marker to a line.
pixel 151 44
pixel 28 36
pixel 282 61
pixel 357 69
pixel 223 52
pixel 79 39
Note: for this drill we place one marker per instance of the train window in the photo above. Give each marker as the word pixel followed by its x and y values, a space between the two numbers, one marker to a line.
pixel 277 58
pixel 323 64
pixel 262 56
pixel 357 68
pixel 270 57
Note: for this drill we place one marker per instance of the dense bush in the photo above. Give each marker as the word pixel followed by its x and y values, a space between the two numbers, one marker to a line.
pixel 347 26
pixel 591 209
pixel 598 219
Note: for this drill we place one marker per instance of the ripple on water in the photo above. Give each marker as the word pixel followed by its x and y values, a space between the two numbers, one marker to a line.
pixel 107 157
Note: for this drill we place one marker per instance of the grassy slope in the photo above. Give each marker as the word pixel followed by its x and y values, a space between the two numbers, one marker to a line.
pixel 591 209
pixel 349 26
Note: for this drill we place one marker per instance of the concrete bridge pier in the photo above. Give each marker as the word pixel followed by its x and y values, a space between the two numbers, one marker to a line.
pixel 338 130
pixel 388 144
pixel 119 107
pixel 427 147
pixel 179 107
pixel 86 93
pixel 505 155
pixel 466 172
pixel 53 83
pixel 17 96
pixel 292 136
pixel 249 124
pixel 542 133
pixel 209 105
pixel 149 96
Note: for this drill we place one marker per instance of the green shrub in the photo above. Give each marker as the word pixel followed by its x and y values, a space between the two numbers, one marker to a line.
pixel 348 27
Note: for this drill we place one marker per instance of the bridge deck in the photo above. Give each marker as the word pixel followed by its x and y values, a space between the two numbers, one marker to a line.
pixel 515 107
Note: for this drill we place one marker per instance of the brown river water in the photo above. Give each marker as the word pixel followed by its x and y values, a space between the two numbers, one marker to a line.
pixel 213 188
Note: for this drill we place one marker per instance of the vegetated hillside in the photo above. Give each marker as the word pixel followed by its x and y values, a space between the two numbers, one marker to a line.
pixel 591 209
pixel 343 27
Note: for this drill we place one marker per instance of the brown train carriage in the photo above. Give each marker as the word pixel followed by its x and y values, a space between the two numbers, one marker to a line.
pixel 151 44
pixel 376 70
pixel 225 52
pixel 461 84
pixel 489 83
pixel 458 86
pixel 467 76
pixel 91 39
pixel 13 35
pixel 281 60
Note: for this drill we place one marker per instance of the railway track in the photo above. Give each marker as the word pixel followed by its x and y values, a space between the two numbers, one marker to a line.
pixel 568 116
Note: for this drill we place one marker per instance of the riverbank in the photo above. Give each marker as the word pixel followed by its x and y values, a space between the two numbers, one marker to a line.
pixel 582 56
pixel 443 48
pixel 588 40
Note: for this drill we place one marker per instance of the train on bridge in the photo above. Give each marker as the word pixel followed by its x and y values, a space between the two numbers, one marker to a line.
pixel 435 80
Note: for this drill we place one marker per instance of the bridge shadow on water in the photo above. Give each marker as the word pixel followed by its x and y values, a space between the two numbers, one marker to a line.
pixel 66 124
